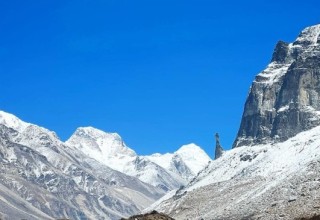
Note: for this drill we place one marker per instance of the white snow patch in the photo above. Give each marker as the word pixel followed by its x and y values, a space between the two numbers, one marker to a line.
pixel 268 160
pixel 107 148
pixel 12 121
pixel 309 34
pixel 273 73
pixel 283 108
pixel 191 154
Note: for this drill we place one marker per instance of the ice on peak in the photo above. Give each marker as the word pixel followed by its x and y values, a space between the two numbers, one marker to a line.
pixel 91 136
pixel 30 134
pixel 89 129
pixel 107 148
pixel 189 148
pixel 94 133
pixel 309 35
pixel 157 155
pixel 12 121
pixel 194 158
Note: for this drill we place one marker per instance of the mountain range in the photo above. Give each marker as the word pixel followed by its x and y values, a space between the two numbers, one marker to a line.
pixel 93 175
pixel 271 172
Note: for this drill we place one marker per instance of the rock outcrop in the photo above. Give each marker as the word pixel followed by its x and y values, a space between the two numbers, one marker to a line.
pixel 284 99
pixel 154 215
pixel 219 150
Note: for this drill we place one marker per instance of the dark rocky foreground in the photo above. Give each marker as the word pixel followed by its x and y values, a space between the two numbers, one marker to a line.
pixel 315 217
pixel 154 215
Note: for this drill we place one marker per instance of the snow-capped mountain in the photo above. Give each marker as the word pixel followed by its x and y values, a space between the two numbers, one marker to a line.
pixel 42 178
pixel 94 175
pixel 167 172
pixel 270 181
pixel 107 148
pixel 186 162
pixel 273 170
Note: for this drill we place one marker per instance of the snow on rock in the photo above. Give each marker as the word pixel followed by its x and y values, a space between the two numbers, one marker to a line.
pixel 309 35
pixel 107 148
pixel 273 170
pixel 277 106
pixel 272 73
pixel 110 149
pixel 246 181
pixel 195 158
pixel 186 161
pixel 154 174
pixel 12 121
pixel 30 134
pixel 48 179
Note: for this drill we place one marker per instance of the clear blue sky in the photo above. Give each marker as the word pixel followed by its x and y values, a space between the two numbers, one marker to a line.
pixel 161 73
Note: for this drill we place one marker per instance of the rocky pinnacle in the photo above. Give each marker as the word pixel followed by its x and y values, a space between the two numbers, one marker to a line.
pixel 219 150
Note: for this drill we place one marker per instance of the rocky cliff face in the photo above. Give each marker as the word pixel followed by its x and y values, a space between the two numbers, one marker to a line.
pixel 284 99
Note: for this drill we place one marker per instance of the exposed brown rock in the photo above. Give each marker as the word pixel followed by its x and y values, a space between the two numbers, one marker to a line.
pixel 315 217
pixel 154 215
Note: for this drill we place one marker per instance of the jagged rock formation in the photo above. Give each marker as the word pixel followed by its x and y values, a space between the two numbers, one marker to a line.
pixel 275 173
pixel 219 150
pixel 284 99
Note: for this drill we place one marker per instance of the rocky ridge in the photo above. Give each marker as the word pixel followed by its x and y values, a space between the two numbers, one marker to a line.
pixel 167 172
pixel 49 180
pixel 284 98
pixel 42 177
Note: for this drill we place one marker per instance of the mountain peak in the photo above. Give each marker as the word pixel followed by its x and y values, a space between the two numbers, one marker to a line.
pixel 194 157
pixel 283 98
pixel 187 161
pixel 107 148
pixel 189 148
pixel 12 121
pixel 309 35
pixel 94 133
